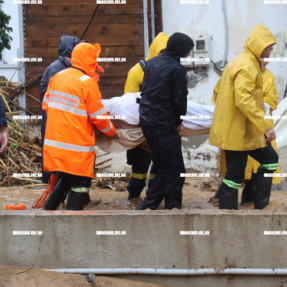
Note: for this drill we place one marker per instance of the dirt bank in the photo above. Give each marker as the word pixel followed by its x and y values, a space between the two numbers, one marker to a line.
pixel 20 277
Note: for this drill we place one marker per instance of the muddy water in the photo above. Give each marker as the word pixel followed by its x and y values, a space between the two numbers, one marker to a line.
pixel 196 195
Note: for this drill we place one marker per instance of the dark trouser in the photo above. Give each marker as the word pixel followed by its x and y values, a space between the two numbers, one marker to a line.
pixel 236 164
pixel 140 161
pixel 45 175
pixel 165 145
pixel 76 186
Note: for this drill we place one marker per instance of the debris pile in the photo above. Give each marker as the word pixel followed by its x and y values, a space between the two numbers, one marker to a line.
pixel 21 162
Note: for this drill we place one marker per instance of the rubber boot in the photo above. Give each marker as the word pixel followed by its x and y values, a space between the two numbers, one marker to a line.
pixel 77 200
pixel 134 195
pixel 228 198
pixel 149 203
pixel 262 189
pixel 247 193
pixel 57 196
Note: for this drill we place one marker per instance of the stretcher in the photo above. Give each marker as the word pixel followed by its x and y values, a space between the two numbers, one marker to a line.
pixel 124 113
pixel 198 120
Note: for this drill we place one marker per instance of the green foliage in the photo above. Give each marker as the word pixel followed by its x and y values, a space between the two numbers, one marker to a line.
pixel 5 39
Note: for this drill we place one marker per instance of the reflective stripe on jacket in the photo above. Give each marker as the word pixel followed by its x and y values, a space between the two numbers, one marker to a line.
pixel 73 106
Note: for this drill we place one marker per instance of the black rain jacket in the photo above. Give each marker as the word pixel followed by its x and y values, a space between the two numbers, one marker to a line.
pixel 164 92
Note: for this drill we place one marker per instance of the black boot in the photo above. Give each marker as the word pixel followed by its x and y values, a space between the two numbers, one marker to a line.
pixel 228 198
pixel 149 203
pixel 247 193
pixel 133 195
pixel 77 200
pixel 262 189
pixel 58 195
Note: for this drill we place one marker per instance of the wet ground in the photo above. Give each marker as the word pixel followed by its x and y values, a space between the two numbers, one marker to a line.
pixel 24 277
pixel 196 195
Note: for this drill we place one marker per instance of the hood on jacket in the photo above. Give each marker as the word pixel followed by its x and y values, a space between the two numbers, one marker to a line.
pixel 84 57
pixel 179 45
pixel 259 38
pixel 158 44
pixel 67 44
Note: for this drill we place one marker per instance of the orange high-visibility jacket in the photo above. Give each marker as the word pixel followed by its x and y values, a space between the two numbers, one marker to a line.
pixel 73 106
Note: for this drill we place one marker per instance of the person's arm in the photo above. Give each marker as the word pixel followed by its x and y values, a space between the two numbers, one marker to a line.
pixel 96 109
pixel 3 128
pixel 45 101
pixel 244 85
pixel 180 95
pixel 270 92
pixel 44 85
pixel 215 91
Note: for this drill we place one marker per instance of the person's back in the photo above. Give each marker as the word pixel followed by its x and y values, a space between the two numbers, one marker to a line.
pixel 74 99
pixel 65 48
pixel 164 92
pixel 164 100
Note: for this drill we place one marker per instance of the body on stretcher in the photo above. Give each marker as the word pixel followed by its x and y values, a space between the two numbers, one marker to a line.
pixel 125 116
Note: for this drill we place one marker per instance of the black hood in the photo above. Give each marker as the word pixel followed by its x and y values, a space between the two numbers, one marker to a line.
pixel 67 44
pixel 179 45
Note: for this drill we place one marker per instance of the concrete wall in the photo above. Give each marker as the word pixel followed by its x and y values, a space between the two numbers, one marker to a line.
pixel 152 240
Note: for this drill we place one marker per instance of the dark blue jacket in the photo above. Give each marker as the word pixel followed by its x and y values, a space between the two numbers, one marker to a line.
pixel 66 46
pixel 164 92
pixel 3 121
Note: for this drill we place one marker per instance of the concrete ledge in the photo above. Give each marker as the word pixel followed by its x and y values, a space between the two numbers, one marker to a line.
pixel 152 240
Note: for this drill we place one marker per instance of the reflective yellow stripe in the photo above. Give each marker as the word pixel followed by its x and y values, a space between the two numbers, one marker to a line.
pixel 231 183
pixel 80 189
pixel 69 146
pixel 139 175
pixel 152 176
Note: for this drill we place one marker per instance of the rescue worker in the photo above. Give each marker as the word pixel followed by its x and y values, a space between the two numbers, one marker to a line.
pixel 65 48
pixel 239 127
pixel 138 158
pixel 73 106
pixel 270 98
pixel 164 100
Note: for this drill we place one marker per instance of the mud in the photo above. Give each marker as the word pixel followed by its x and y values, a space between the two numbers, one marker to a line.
pixel 20 277
pixel 196 195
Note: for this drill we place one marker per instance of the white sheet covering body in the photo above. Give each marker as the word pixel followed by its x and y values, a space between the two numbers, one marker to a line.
pixel 197 117
pixel 125 110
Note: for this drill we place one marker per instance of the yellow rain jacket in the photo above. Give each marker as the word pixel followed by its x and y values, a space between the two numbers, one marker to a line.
pixel 271 98
pixel 238 122
pixel 136 73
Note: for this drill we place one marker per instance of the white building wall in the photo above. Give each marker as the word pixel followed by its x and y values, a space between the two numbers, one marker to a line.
pixel 207 20
pixel 8 66
pixel 243 15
